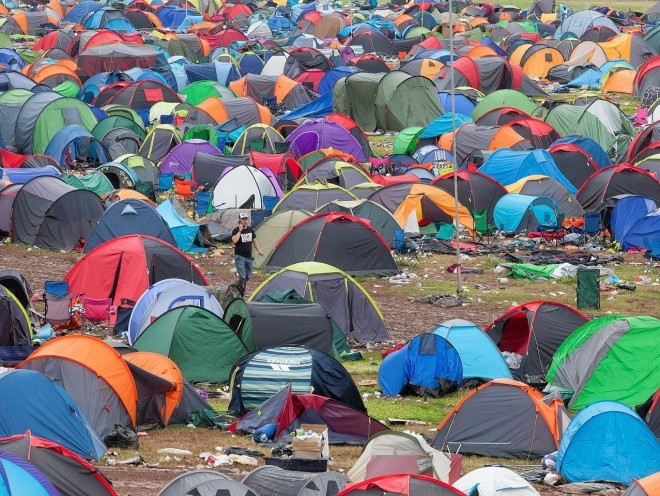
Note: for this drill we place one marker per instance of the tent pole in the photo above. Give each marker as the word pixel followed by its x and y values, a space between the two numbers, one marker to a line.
pixel 459 285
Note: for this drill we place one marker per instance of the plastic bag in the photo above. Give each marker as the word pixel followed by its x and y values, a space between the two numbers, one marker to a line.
pixel 122 437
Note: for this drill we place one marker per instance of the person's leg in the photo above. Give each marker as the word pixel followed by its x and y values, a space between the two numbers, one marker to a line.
pixel 241 270
pixel 248 268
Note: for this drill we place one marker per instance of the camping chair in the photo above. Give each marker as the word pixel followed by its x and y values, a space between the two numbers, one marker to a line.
pixel 592 231
pixel 482 229
pixel 146 188
pixel 257 145
pixel 652 257
pixel 57 303
pixel 446 232
pixel 202 201
pixel 184 189
pixel 404 250
pixel 95 312
pixel 553 231
pixel 165 181
pixel 588 289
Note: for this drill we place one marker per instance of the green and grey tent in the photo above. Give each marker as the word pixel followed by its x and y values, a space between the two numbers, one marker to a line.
pixel 95 182
pixel 610 358
pixel 202 344
pixel 273 228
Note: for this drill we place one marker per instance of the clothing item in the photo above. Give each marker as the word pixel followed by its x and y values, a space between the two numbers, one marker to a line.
pixel 243 267
pixel 244 245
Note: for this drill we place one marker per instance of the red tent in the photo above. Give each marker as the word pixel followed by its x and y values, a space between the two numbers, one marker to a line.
pixel 400 485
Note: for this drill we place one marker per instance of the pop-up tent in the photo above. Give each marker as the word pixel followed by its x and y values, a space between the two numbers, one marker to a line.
pixel 593 362
pixel 400 485
pixel 481 423
pixel 346 425
pixel 272 229
pixel 347 302
pixel 15 325
pixel 20 476
pixel 427 366
pixel 517 213
pixel 607 441
pixel 204 482
pixel 269 480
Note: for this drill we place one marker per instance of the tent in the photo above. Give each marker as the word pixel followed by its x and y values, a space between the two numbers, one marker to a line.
pixel 647 486
pixel 393 452
pixel 539 185
pixel 427 366
pixel 49 213
pixel 578 23
pixel 608 441
pixel 323 133
pixel 481 423
pixel 18 285
pixel 128 217
pixel 126 266
pixel 341 240
pixel 573 162
pixel 272 229
pixel 517 213
pixel 94 181
pixel 592 363
pixel 627 213
pixel 335 170
pixel 504 98
pixel 261 374
pixel 617 180
pixel 494 481
pixel 269 479
pixel 187 233
pixel 94 375
pixel 15 325
pixel 159 141
pixel 479 356
pixel 180 158
pixel 400 485
pixel 244 187
pixel 476 191
pixel 70 474
pixel 48 412
pixel 21 477
pixel 204 483
pixel 201 344
pixel 164 296
pixel 534 330
pixel 347 302
pixel 78 143
pixel 346 425
pixel 312 196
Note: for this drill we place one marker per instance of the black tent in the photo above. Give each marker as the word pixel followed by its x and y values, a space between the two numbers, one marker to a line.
pixel 612 181
pixel 274 480
pixel 261 374
pixel 15 328
pixel 340 240
pixel 15 282
pixel 69 473
pixel 49 213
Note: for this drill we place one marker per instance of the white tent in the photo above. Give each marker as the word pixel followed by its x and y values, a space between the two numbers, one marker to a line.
pixel 495 481
pixel 275 65
pixel 241 186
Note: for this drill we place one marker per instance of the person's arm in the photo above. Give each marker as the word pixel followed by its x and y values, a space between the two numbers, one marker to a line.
pixel 236 237
pixel 255 243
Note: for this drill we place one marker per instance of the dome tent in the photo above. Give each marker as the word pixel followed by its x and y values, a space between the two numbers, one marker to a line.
pixel 272 229
pixel 427 366
pixel 494 481
pixel 534 330
pixel 347 302
pixel 204 483
pixel 261 374
pixel 341 240
pixel 274 480
pixel 244 187
pixel 648 486
pixel 607 441
pixel 517 213
pixel 479 356
pixel 480 423
pixel 20 476
pixel 164 296
pixel 15 325
pixel 400 485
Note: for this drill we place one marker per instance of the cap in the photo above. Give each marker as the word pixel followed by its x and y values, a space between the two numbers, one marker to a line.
pixel 243 215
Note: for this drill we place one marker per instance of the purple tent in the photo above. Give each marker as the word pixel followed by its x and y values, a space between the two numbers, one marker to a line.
pixel 180 158
pixel 317 134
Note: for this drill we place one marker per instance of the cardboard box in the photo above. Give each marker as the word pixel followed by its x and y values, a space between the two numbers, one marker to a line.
pixel 312 447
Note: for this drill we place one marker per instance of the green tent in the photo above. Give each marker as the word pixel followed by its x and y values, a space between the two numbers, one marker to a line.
pixel 204 132
pixel 609 358
pixel 504 98
pixel 195 93
pixel 95 181
pixel 67 88
pixel 355 96
pixel 202 345
pixel 5 40
pixel 117 121
pixel 179 48
pixel 124 111
pixel 54 116
pixel 237 315
pixel 406 140
pixel 11 102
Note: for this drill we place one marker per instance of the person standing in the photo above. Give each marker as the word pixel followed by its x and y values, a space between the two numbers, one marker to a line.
pixel 244 239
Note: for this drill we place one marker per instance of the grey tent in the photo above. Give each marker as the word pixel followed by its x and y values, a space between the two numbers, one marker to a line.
pixel 204 483
pixel 355 96
pixel 207 168
pixel 125 217
pixel 349 305
pixel 120 141
pixel 551 188
pixel 506 419
pixel 16 282
pixel 7 196
pixel 271 230
pixel 378 216
pixel 269 480
pixel 49 213
pixel 312 196
pixel 15 327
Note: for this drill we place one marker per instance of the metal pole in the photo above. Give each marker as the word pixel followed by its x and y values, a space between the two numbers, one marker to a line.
pixel 459 285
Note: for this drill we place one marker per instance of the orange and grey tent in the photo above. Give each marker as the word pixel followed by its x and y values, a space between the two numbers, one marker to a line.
pixel 620 82
pixel 629 47
pixel 647 75
pixel 216 111
pixel 29 23
pixel 536 60
pixel 95 376
pixel 648 486
pixel 481 423
pixel 54 74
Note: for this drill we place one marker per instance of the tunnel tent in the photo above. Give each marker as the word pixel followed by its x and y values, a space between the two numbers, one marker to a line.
pixel 204 483
pixel 269 479
pixel 125 217
pixel 49 213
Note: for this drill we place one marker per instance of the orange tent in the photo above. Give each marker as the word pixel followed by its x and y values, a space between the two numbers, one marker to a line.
pixel 122 194
pixel 95 376
pixel 648 486
pixel 217 110
pixel 4 10
pixel 620 82
pixel 166 369
pixel 53 74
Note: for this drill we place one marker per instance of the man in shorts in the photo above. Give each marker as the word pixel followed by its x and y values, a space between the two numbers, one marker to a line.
pixel 244 238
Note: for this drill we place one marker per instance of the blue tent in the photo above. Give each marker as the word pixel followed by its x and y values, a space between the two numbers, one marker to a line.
pixel 130 216
pixel 18 476
pixel 47 411
pixel 626 213
pixel 589 78
pixel 21 176
pixel 332 76
pixel 608 441
pixel 108 19
pixel 80 143
pixel 593 149
pixel 428 366
pixel 431 153
pixel 646 227
pixel 508 166
pixel 77 12
pixel 518 213
pixel 11 59
pixel 464 106
pixel 440 55
pixel 480 357
pixel 173 16
pixel 313 110
pixel 250 63
pixel 222 72
pixel 186 232
pixel 443 124
pixel 139 74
